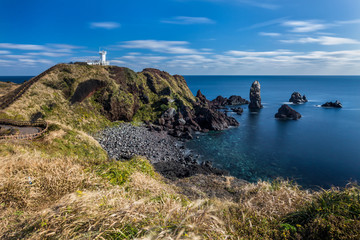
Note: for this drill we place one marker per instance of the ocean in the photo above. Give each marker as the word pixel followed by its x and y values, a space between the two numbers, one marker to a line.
pixel 15 79
pixel 322 149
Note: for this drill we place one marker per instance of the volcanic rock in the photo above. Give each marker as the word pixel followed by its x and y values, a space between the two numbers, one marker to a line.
pixel 236 100
pixel 201 99
pixel 238 110
pixel 220 102
pixel 185 121
pixel 286 112
pixel 335 104
pixel 255 98
pixel 297 98
pixel 209 119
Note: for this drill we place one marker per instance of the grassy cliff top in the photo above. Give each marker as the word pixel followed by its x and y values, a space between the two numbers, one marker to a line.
pixel 90 97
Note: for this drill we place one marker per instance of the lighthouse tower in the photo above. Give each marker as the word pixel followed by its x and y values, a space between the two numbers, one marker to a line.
pixel 103 58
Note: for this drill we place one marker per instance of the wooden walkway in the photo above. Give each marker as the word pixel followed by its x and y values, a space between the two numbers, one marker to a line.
pixel 36 128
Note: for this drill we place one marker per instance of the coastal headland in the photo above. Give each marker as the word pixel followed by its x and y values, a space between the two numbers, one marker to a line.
pixel 112 165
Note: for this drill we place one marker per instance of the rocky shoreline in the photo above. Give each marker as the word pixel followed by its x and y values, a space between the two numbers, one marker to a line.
pixel 167 154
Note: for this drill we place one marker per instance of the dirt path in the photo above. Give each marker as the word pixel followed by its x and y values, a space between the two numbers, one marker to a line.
pixel 23 130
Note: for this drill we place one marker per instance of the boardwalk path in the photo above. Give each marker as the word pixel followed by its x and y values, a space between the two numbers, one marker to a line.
pixel 22 130
pixel 27 130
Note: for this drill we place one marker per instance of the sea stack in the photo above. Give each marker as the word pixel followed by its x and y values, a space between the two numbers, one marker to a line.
pixel 255 98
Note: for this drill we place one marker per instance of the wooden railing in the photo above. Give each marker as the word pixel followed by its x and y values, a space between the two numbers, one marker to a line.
pixel 39 123
pixel 12 96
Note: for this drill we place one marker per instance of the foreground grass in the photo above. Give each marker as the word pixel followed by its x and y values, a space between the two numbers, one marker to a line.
pixel 63 186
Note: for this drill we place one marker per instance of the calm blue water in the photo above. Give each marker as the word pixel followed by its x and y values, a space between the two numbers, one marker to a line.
pixel 15 79
pixel 320 149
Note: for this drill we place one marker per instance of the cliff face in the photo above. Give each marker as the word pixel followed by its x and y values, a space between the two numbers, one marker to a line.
pixel 91 97
pixel 120 92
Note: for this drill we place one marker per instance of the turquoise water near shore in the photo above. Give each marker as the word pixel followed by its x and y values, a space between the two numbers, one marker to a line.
pixel 319 150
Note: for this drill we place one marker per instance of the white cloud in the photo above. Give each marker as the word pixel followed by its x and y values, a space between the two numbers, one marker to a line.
pixel 260 4
pixel 18 56
pixel 255 3
pixel 257 54
pixel 22 46
pixel 188 20
pixel 353 21
pixel 153 59
pixel 117 62
pixel 277 61
pixel 35 61
pixel 305 26
pixel 48 54
pixel 173 47
pixel 4 52
pixel 323 40
pixel 5 63
pixel 269 34
pixel 105 25
pixel 265 24
pixel 84 58
pixel 66 48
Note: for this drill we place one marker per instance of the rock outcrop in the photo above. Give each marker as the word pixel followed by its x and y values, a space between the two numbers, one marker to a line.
pixel 237 100
pixel 297 98
pixel 335 104
pixel 202 117
pixel 220 102
pixel 286 112
pixel 238 110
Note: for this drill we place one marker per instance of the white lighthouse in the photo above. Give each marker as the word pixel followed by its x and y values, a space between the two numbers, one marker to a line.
pixel 102 60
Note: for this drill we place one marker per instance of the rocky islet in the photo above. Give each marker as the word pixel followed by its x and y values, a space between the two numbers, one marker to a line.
pixel 297 98
pixel 285 112
pixel 335 104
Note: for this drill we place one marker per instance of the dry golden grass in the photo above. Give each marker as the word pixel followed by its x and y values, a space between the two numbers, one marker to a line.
pixel 6 87
pixel 50 179
pixel 275 198
pixel 71 198
pixel 62 203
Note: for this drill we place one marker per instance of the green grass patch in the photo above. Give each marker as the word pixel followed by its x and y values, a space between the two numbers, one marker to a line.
pixel 71 145
pixel 333 214
pixel 118 172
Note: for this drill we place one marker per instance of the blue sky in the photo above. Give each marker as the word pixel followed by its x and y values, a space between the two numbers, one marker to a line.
pixel 216 37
